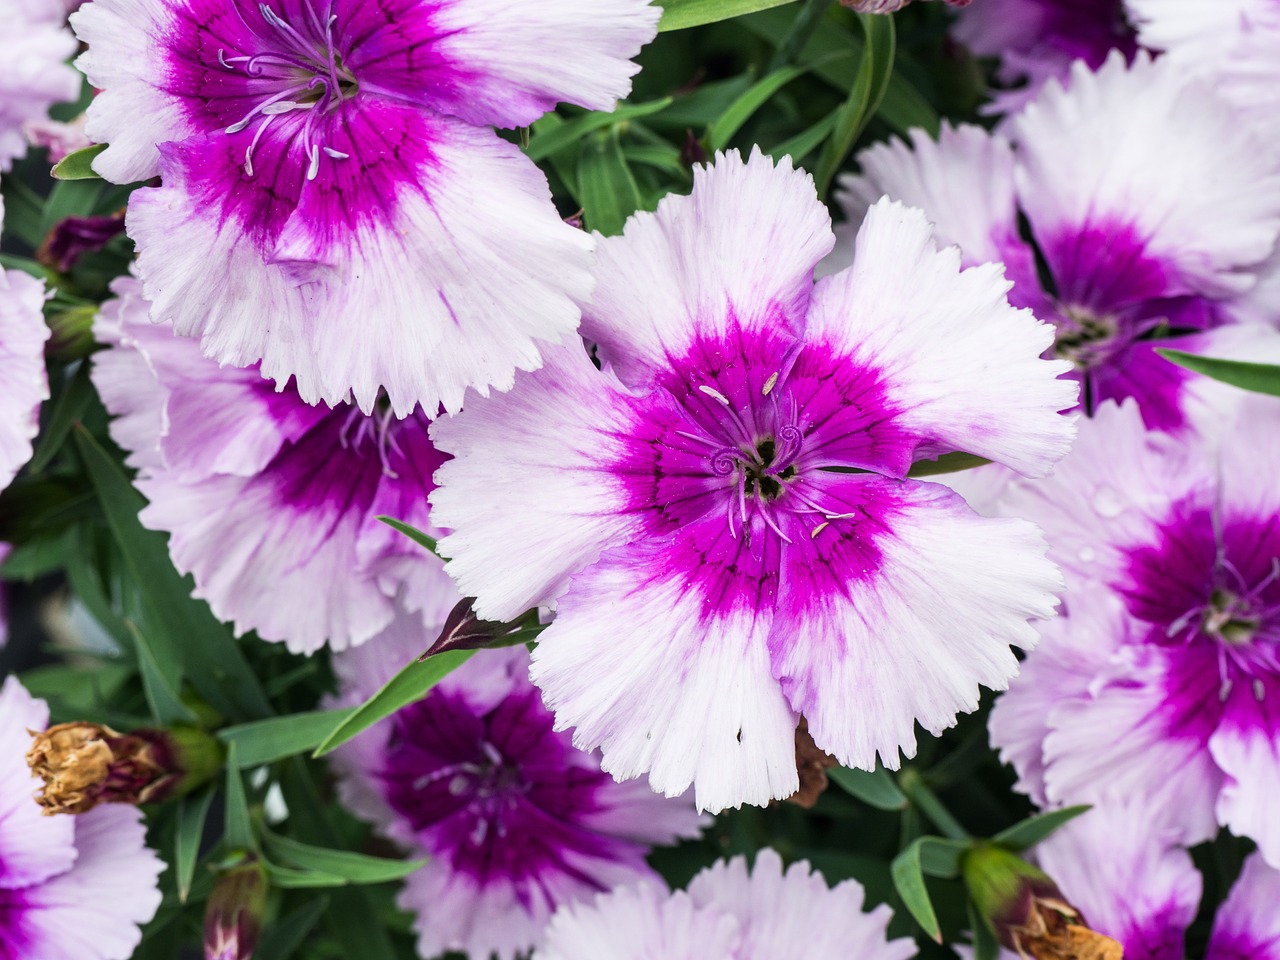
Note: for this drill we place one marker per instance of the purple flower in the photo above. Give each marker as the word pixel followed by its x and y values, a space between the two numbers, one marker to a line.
pixel 23 380
pixel 1163 679
pixel 34 47
pixel 1247 925
pixel 729 914
pixel 71 888
pixel 1038 40
pixel 514 820
pixel 327 167
pixel 722 509
pixel 1143 242
pixel 271 503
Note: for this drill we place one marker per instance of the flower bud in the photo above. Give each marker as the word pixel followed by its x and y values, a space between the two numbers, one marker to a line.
pixel 812 764
pixel 888 6
pixel 85 764
pixel 233 915
pixel 1027 912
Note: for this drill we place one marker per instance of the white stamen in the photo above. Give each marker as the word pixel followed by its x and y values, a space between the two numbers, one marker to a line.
pixel 336 154
pixel 770 384
pixel 313 169
pixel 284 106
pixel 1259 690
pixel 1224 691
pixel 818 529
pixel 713 392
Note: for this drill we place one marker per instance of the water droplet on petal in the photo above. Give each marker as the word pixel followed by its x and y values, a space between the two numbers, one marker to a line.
pixel 1087 554
pixel 1108 502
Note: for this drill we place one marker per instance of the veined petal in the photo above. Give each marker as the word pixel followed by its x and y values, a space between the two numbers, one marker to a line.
pixel 793 913
pixel 896 610
pixel 639 923
pixel 33 847
pixel 125 62
pixel 514 64
pixel 541 451
pixel 23 381
pixel 645 663
pixel 960 362
pixel 1101 153
pixel 447 279
pixel 34 48
pixel 94 910
pixel 1246 746
pixel 1248 925
pixel 740 250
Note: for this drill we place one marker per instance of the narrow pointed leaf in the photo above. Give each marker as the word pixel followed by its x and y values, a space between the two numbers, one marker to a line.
pixel 1256 377
pixel 266 741
pixel 679 14
pixel 163 697
pixel 742 109
pixel 408 686
pixel 283 938
pixel 874 73
pixel 192 814
pixel 413 533
pixel 1034 829
pixel 351 867
pixel 238 828
pixel 607 189
pixel 560 136
pixel 908 880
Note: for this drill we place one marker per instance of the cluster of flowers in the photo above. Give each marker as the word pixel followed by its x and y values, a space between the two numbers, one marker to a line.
pixel 353 298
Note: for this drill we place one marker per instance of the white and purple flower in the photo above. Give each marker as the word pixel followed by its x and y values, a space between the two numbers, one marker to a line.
pixel 35 47
pixel 722 510
pixel 1038 40
pixel 71 888
pixel 729 913
pixel 334 203
pixel 271 503
pixel 1162 679
pixel 515 822
pixel 1136 238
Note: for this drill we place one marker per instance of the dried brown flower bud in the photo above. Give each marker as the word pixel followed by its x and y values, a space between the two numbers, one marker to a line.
pixel 1026 911
pixel 812 764
pixel 85 764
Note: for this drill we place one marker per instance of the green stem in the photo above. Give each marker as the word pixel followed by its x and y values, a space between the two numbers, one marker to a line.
pixel 802 28
pixel 927 802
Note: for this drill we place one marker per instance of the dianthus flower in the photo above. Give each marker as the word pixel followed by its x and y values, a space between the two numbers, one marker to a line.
pixel 1144 243
pixel 1120 869
pixel 334 202
pixel 35 47
pixel 1038 40
pixel 729 913
pixel 1162 680
pixel 515 822
pixel 271 503
pixel 71 888
pixel 24 384
pixel 722 509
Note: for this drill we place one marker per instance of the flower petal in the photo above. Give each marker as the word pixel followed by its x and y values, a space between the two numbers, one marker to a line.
pixel 1246 746
pixel 1247 926
pixel 23 381
pixel 962 364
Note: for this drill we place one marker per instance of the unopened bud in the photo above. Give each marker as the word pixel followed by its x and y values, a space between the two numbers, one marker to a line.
pixel 85 764
pixel 1027 912
pixel 889 6
pixel 233 915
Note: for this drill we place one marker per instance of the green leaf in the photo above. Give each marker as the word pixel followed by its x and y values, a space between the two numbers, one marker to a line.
pixel 1257 377
pixel 192 813
pixel 606 187
pixel 742 109
pixel 985 945
pixel 908 872
pixel 69 198
pixel 238 830
pixel 1034 829
pixel 947 463
pixel 349 867
pixel 805 142
pixel 409 685
pixel 413 533
pixel 70 406
pixel 874 788
pixel 874 73
pixel 908 880
pixel 160 683
pixel 283 938
pixel 266 741
pixel 560 136
pixel 679 14
pixel 178 625
pixel 292 878
pixel 78 164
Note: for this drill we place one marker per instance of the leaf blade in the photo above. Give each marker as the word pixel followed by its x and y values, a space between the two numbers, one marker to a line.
pixel 1254 377
pixel 1034 829
pixel 681 14
pixel 261 742
pixel 78 165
